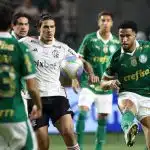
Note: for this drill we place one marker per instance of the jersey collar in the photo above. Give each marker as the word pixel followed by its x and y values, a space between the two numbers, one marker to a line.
pixel 47 45
pixel 137 45
pixel 5 35
pixel 104 41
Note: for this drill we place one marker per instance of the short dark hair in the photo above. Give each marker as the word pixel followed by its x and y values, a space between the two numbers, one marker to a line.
pixel 105 13
pixel 128 24
pixel 17 15
pixel 44 17
pixel 5 17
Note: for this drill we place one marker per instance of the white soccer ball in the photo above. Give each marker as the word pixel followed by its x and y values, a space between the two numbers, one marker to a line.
pixel 72 67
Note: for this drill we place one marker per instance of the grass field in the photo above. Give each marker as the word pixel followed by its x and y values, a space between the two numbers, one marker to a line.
pixel 114 142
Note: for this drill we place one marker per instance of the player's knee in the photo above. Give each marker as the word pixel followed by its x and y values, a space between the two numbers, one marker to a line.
pixel 67 132
pixel 84 108
pixel 126 104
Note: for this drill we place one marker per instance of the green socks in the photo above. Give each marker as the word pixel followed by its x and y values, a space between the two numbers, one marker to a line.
pixel 100 134
pixel 127 120
pixel 80 126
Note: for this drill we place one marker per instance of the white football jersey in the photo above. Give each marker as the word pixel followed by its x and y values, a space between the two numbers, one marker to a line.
pixel 48 59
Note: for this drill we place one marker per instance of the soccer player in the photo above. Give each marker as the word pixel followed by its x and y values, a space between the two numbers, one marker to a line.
pixel 20 25
pixel 128 73
pixel 15 62
pixel 48 54
pixel 96 49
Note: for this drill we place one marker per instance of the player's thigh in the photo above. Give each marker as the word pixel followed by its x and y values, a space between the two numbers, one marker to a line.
pixel 128 100
pixel 144 110
pixel 60 107
pixel 104 103
pixel 86 98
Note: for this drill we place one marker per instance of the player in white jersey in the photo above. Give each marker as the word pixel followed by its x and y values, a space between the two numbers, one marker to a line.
pixel 48 54
pixel 20 25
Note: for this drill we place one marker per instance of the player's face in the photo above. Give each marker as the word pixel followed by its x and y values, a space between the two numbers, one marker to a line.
pixel 127 38
pixel 21 28
pixel 47 31
pixel 105 23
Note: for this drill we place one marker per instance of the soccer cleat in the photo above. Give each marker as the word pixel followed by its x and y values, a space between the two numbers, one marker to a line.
pixel 130 134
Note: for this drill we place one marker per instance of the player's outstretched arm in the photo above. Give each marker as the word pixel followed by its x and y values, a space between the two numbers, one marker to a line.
pixel 35 96
pixel 89 69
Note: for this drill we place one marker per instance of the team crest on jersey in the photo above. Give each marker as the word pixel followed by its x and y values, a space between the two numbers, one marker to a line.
pixel 55 53
pixel 105 49
pixel 143 58
pixel 133 61
pixel 112 48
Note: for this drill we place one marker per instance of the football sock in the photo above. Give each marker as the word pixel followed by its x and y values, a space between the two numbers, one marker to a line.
pixel 127 120
pixel 80 126
pixel 100 134
pixel 75 147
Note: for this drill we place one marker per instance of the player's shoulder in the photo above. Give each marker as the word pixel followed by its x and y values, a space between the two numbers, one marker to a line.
pixel 115 39
pixel 90 35
pixel 60 45
pixel 143 44
pixel 29 39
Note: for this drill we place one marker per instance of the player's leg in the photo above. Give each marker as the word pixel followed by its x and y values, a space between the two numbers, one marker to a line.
pixel 18 136
pixel 104 107
pixel 62 120
pixel 86 98
pixel 128 105
pixel 40 126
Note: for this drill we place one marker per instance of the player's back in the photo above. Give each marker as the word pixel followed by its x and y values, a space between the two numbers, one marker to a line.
pixel 11 71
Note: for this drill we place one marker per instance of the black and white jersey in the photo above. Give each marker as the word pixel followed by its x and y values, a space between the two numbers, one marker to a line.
pixel 48 59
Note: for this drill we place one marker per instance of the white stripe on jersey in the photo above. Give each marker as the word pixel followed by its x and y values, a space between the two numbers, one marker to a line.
pixel 47 59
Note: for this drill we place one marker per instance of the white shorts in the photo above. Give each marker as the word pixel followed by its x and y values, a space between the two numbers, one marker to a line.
pixel 103 102
pixel 17 136
pixel 142 103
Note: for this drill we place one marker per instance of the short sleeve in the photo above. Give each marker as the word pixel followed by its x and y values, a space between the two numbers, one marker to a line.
pixel 83 46
pixel 27 64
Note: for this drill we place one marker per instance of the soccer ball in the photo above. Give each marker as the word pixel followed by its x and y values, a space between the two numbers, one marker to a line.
pixel 71 67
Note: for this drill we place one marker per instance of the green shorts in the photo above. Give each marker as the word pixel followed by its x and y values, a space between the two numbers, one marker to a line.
pixel 17 136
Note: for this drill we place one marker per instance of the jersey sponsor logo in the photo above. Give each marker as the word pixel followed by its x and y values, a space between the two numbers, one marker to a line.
pixel 137 75
pixel 6 113
pixel 6 46
pixel 44 64
pixel 143 58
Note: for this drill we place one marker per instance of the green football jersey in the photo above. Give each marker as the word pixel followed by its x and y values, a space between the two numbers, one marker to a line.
pixel 15 63
pixel 97 52
pixel 132 69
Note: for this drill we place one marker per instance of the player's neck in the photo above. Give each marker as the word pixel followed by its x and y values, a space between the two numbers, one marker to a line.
pixel 104 35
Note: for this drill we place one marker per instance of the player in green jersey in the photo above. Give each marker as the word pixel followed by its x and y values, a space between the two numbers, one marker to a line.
pixel 96 49
pixel 15 62
pixel 128 73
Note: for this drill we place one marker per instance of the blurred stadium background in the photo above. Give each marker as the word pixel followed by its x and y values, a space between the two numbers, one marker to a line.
pixel 74 19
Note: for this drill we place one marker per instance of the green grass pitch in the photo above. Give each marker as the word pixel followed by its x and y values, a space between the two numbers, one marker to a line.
pixel 115 141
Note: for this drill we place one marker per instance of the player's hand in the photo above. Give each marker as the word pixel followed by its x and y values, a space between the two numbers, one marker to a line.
pixel 93 78
pixel 75 85
pixel 114 84
pixel 35 113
